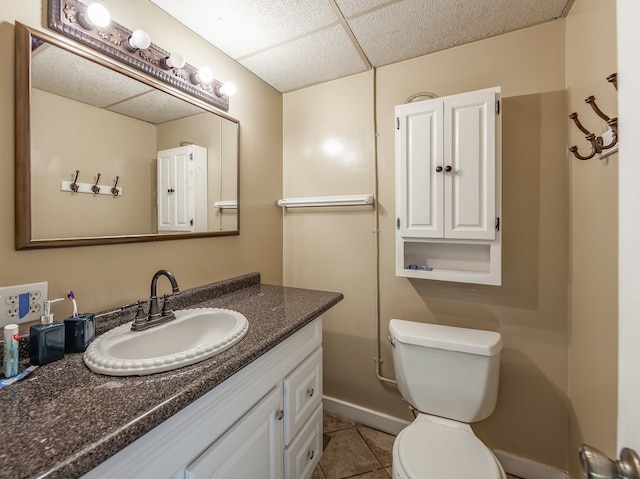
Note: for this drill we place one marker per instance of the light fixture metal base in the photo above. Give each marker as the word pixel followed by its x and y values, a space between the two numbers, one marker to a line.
pixel 63 17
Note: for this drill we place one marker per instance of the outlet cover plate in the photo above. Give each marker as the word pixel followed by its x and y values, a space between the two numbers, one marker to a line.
pixel 23 303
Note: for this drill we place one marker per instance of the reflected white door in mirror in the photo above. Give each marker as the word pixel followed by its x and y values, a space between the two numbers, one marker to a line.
pixel 182 189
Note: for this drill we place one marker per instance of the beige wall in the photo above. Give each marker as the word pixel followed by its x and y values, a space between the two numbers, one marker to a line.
pixel 107 276
pixel 59 148
pixel 591 57
pixel 335 249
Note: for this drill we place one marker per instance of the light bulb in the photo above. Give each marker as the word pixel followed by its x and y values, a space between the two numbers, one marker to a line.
pixel 229 89
pixel 175 60
pixel 204 75
pixel 98 15
pixel 139 40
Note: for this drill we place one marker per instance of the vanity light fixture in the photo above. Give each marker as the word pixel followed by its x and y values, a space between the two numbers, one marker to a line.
pixel 78 21
pixel 138 40
pixel 96 14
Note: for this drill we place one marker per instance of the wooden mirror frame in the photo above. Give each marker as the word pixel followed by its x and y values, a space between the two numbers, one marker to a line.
pixel 23 190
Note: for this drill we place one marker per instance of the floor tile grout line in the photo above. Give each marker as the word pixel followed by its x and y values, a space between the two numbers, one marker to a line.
pixel 369 447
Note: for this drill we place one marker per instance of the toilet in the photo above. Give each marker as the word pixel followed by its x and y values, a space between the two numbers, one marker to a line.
pixel 450 376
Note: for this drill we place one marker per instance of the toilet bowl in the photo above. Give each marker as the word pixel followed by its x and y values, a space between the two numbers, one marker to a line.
pixel 449 375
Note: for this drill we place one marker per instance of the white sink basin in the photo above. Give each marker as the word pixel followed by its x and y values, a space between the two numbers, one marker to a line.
pixel 195 335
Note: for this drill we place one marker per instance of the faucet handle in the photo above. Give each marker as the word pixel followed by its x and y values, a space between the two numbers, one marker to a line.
pixel 140 314
pixel 166 305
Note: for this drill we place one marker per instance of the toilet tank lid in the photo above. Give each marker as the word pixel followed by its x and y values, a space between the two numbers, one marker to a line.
pixel 450 338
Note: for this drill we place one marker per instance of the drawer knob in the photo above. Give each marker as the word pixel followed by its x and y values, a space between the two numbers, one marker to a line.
pixel 310 454
pixel 310 392
pixel 279 414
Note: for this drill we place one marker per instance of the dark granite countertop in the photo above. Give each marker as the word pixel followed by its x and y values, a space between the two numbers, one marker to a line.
pixel 63 420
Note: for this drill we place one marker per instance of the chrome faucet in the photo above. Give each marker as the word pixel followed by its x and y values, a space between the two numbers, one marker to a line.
pixel 156 317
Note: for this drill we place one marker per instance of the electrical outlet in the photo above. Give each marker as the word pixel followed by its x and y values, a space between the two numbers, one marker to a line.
pixel 23 303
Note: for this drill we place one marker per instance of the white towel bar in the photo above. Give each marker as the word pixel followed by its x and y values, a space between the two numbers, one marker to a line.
pixel 226 204
pixel 346 200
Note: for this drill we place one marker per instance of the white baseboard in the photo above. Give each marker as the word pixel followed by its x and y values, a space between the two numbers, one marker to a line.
pixel 514 465
pixel 368 417
pixel 526 468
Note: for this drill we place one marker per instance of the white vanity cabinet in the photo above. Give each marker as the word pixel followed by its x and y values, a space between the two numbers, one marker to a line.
pixel 182 189
pixel 263 422
pixel 448 172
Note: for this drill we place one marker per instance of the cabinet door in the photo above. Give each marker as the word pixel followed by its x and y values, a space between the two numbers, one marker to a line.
pixel 470 151
pixel 252 448
pixel 175 196
pixel 418 154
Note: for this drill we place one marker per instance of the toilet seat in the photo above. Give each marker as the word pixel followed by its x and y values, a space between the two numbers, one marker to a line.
pixel 428 450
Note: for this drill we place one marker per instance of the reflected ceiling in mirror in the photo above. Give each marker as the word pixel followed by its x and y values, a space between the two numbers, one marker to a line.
pixel 89 122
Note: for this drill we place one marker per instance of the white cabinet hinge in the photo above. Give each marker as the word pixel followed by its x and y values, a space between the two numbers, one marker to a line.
pixel 397 123
pixel 497 107
pixel 498 224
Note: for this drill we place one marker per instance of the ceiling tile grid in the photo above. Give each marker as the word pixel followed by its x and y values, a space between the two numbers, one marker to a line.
pixel 291 44
pixel 322 56
pixel 242 27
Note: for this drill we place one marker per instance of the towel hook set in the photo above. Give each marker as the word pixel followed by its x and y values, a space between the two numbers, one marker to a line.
pixel 600 145
pixel 93 188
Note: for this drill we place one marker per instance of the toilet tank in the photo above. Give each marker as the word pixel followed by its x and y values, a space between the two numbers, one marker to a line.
pixel 447 371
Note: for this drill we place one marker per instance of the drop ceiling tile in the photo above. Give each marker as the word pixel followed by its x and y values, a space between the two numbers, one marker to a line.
pixel 242 27
pixel 322 56
pixel 68 75
pixel 156 107
pixel 416 27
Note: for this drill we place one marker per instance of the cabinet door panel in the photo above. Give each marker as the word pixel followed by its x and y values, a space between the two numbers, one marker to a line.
pixel 420 145
pixel 252 448
pixel 302 455
pixel 302 394
pixel 469 138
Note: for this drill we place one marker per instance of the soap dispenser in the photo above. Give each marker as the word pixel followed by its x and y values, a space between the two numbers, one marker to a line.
pixel 46 340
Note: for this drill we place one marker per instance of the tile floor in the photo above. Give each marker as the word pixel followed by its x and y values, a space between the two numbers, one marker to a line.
pixel 354 451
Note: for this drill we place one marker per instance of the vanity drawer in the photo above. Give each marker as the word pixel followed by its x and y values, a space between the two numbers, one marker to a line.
pixel 302 394
pixel 302 455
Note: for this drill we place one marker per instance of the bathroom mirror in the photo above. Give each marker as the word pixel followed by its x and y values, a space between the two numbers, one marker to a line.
pixel 88 135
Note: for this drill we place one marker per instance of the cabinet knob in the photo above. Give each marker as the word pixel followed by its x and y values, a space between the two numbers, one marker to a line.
pixel 448 168
pixel 439 169
pixel 310 392
pixel 171 190
pixel 310 454
pixel 279 414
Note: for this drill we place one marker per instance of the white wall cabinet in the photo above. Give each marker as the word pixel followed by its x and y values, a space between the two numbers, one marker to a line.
pixel 448 192
pixel 182 189
pixel 265 422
